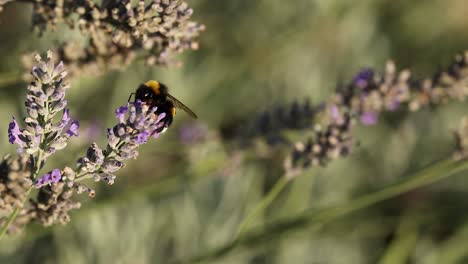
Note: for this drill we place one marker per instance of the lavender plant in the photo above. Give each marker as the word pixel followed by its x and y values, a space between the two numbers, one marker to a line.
pixel 119 32
pixel 44 134
pixel 270 124
pixel 362 101
pixel 367 96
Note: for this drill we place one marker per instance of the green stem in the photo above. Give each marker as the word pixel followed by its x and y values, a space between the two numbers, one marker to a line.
pixel 262 205
pixel 315 218
pixel 38 164
pixel 401 247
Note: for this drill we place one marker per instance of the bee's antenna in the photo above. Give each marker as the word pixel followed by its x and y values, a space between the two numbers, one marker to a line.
pixel 130 97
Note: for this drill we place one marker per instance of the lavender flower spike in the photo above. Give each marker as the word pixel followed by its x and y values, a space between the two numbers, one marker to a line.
pixel 45 99
pixel 137 123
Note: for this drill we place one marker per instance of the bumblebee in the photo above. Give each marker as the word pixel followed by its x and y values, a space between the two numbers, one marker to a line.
pixel 156 94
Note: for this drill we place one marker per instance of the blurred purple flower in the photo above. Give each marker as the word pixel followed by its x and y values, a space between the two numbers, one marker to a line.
pixel 192 133
pixel 394 105
pixel 334 112
pixel 369 118
pixel 336 116
pixel 363 78
pixel 93 131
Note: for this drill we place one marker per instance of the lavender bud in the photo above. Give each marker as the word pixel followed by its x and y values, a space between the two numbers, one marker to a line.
pixel 58 106
pixel 108 178
pixel 57 95
pixel 69 173
pixel 120 113
pixel 59 143
pixel 73 128
pixel 120 130
pixel 112 140
pixel 81 188
pixel 112 166
pixel 95 154
pixel 32 112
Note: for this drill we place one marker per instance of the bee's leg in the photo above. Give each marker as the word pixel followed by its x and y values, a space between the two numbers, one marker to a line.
pixel 130 97
pixel 169 119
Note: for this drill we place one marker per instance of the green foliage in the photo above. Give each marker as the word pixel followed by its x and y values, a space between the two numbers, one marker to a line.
pixel 178 201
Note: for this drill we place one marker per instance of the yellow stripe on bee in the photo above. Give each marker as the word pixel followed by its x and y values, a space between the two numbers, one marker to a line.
pixel 153 85
pixel 173 111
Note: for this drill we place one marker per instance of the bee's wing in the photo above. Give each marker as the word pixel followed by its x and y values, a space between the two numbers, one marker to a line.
pixel 180 105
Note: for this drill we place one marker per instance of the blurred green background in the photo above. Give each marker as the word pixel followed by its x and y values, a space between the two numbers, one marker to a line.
pixel 180 200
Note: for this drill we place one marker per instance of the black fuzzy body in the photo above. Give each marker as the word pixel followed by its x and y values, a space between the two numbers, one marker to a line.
pixel 157 98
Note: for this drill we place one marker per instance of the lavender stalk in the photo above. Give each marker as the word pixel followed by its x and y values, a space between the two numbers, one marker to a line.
pixel 43 135
pixel 137 123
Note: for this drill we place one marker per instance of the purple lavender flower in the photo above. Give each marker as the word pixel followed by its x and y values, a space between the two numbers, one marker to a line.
pixel 55 176
pixel 43 180
pixel 142 137
pixel 14 133
pixel 68 126
pixel 65 118
pixel 363 78
pixel 52 177
pixel 73 128
pixel 335 113
pixel 369 118
pixel 121 112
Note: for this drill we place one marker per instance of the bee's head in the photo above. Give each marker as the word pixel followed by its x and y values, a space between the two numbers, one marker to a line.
pixel 144 93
